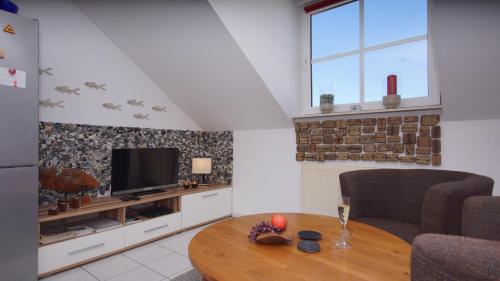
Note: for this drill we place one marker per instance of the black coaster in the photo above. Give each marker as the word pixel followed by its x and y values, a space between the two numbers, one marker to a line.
pixel 308 246
pixel 309 235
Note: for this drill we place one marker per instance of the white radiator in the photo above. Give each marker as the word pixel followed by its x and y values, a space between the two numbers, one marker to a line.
pixel 321 188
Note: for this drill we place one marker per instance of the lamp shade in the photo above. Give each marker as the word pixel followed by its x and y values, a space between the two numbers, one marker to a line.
pixel 202 166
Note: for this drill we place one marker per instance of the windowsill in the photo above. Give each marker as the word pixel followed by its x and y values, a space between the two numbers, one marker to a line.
pixel 363 112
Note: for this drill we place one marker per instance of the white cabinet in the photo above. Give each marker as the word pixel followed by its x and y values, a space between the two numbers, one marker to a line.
pixel 205 206
pixel 194 209
pixel 58 255
pixel 153 228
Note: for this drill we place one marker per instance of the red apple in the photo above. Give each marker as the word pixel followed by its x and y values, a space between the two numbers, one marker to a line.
pixel 279 221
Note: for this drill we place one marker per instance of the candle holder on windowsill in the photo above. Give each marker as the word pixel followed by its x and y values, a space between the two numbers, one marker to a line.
pixel 391 101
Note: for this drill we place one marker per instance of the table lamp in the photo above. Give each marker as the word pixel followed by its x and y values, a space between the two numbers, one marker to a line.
pixel 202 166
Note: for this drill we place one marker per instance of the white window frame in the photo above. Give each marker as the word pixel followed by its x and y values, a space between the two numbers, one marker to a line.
pixel 432 99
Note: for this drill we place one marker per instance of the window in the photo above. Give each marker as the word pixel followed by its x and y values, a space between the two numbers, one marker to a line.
pixel 354 45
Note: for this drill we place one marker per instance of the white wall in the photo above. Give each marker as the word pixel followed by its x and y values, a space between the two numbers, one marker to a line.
pixel 472 146
pixel 267 178
pixel 267 32
pixel 79 52
pixel 186 49
pixel 466 40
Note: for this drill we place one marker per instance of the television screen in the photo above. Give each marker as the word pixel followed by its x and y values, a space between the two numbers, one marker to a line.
pixel 136 170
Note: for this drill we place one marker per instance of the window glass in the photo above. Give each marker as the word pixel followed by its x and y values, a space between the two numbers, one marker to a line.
pixel 340 76
pixel 391 20
pixel 335 30
pixel 408 62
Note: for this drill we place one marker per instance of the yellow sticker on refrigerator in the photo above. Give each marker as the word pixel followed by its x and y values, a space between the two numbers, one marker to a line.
pixel 12 77
pixel 9 29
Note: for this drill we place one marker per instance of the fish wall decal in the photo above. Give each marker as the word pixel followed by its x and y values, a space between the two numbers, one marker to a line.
pixel 67 90
pixel 112 106
pixel 94 85
pixel 51 104
pixel 141 116
pixel 45 71
pixel 158 108
pixel 136 103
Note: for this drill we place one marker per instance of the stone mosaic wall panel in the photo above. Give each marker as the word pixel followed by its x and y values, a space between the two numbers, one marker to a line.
pixel 89 148
pixel 408 139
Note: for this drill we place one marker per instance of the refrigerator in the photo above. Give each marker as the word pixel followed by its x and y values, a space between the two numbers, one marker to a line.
pixel 18 147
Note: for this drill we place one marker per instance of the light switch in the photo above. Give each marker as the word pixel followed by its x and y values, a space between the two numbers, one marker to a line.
pixel 2 53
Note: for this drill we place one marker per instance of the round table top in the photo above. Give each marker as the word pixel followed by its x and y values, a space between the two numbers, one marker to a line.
pixel 223 251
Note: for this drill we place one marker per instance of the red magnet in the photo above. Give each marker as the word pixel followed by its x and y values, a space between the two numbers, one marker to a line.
pixel 12 71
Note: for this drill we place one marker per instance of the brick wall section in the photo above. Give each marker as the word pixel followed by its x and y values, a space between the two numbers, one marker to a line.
pixel 408 139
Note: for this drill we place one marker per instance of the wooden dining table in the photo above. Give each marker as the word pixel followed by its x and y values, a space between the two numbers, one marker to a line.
pixel 224 252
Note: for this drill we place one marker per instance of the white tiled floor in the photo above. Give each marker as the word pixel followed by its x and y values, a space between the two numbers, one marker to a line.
pixel 148 253
pixel 161 260
pixel 170 265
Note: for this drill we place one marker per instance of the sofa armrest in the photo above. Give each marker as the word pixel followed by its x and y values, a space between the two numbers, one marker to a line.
pixel 438 257
pixel 443 203
pixel 481 217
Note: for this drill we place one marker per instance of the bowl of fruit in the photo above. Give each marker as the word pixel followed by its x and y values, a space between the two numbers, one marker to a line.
pixel 270 232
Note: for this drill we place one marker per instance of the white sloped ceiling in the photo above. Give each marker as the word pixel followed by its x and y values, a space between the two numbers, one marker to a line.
pixel 268 33
pixel 186 49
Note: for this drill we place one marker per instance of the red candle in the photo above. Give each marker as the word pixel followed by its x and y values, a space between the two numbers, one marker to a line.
pixel 392 85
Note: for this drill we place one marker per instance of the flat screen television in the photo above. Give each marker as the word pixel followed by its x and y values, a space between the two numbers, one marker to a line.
pixel 143 169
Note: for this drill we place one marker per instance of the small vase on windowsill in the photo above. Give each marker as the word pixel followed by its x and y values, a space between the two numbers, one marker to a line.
pixel 326 103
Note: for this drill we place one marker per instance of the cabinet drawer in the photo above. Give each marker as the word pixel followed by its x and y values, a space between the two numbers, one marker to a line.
pixel 201 207
pixel 55 256
pixel 153 228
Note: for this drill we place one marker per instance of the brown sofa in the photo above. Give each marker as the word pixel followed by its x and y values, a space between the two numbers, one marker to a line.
pixel 408 202
pixel 477 257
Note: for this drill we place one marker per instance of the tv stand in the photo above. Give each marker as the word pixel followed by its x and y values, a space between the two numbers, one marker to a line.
pixel 137 196
pixel 149 192
pixel 130 197
pixel 191 208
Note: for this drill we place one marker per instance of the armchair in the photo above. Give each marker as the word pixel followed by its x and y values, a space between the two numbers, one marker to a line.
pixel 408 202
pixel 474 258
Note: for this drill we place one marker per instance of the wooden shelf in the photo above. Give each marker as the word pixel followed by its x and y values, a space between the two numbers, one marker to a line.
pixel 113 202
pixel 40 244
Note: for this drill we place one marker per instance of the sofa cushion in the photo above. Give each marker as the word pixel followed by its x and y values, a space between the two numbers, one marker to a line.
pixel 403 230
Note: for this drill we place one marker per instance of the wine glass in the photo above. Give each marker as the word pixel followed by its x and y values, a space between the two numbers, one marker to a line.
pixel 344 206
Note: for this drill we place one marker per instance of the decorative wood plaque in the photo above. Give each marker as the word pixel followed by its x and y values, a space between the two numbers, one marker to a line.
pixel 407 139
